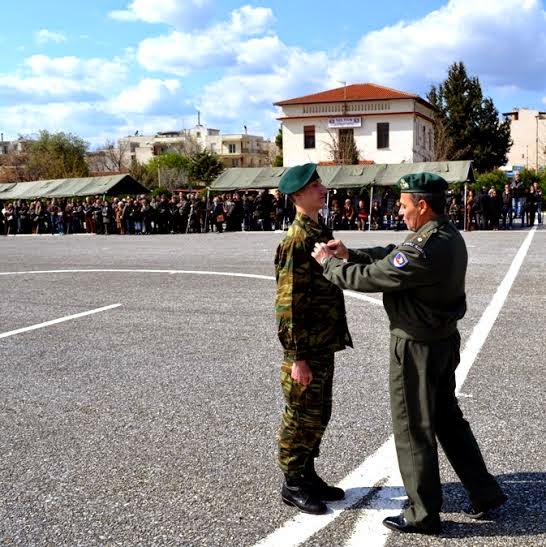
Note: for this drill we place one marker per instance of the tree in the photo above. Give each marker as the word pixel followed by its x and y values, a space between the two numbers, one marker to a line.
pixel 56 156
pixel 278 161
pixel 204 167
pixel 467 125
pixel 110 158
pixel 342 147
pixel 170 170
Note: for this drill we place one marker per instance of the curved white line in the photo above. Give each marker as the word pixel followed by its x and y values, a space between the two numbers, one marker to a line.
pixel 352 294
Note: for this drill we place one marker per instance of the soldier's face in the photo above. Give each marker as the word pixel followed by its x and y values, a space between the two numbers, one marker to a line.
pixel 313 196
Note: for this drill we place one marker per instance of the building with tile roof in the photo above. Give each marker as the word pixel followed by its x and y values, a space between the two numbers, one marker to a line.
pixel 385 124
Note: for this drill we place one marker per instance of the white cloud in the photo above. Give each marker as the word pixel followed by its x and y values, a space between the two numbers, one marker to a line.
pixel 217 46
pixel 501 41
pixel 179 14
pixel 44 36
pixel 145 96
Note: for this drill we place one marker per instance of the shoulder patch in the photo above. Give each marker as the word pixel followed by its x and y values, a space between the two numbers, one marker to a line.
pixel 400 260
pixel 415 246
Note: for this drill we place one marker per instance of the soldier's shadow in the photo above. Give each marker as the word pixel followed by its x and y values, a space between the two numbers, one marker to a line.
pixel 524 515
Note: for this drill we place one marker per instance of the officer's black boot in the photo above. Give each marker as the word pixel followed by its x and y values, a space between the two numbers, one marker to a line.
pixel 295 492
pixel 318 486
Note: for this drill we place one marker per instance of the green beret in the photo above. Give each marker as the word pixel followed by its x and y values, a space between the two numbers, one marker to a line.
pixel 297 177
pixel 422 183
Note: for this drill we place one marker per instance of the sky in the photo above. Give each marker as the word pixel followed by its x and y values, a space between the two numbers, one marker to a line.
pixel 104 69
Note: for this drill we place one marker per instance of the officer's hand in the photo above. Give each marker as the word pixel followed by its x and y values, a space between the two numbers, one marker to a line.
pixel 301 372
pixel 321 252
pixel 339 248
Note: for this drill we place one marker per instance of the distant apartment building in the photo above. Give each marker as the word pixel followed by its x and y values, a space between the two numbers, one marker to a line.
pixel 528 132
pixel 387 125
pixel 233 150
pixel 7 147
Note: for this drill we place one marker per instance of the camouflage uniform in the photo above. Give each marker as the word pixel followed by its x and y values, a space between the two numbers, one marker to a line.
pixel 423 281
pixel 310 313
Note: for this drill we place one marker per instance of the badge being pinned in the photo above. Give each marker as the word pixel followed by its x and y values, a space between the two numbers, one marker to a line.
pixel 400 260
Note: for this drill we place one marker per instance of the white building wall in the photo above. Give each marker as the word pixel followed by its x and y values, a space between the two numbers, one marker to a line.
pixel 410 135
pixel 527 129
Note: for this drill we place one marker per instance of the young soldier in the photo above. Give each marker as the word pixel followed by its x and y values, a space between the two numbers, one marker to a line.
pixel 423 281
pixel 312 326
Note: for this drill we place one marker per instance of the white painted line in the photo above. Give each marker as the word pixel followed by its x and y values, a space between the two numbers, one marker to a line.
pixel 390 500
pixel 55 321
pixel 382 464
pixel 487 320
pixel 300 528
pixel 352 294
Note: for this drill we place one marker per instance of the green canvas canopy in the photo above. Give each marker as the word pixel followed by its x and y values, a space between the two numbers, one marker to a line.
pixel 343 176
pixel 86 186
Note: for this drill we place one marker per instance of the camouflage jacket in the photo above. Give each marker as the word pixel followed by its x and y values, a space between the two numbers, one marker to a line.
pixel 422 279
pixel 310 311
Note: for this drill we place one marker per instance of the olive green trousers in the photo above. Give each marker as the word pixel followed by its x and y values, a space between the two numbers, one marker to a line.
pixel 424 409
pixel 306 414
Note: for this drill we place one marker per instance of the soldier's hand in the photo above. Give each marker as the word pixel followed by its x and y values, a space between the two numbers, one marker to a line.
pixel 340 251
pixel 301 372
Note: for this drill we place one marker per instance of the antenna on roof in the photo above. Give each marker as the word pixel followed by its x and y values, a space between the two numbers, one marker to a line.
pixel 344 88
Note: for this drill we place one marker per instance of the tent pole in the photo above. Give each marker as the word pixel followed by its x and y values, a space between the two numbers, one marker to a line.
pixel 207 210
pixel 464 206
pixel 370 210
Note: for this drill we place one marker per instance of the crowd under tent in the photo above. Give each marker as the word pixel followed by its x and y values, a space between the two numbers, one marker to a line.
pixel 345 176
pixel 113 185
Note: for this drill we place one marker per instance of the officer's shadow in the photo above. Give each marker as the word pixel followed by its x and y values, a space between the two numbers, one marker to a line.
pixel 523 515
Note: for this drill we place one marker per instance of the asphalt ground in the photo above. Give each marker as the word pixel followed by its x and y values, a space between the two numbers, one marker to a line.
pixel 154 422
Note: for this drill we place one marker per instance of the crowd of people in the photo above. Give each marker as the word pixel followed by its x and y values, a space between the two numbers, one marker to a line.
pixel 487 209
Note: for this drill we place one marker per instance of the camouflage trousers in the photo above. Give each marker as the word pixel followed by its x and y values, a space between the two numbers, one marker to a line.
pixel 306 413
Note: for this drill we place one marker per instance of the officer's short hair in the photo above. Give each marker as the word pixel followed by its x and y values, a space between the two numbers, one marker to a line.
pixel 436 201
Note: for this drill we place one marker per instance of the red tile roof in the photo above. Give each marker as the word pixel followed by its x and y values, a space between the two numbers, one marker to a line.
pixel 353 92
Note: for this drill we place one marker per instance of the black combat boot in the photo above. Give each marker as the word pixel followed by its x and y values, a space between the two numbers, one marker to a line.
pixel 318 486
pixel 296 492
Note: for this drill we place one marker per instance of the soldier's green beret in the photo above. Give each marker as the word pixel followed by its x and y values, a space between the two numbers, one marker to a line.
pixel 297 177
pixel 422 183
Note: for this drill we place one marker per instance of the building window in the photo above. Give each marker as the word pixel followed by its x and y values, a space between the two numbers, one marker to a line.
pixel 232 148
pixel 309 136
pixel 382 135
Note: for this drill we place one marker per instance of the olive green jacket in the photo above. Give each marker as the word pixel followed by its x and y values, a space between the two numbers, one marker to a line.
pixel 310 311
pixel 423 279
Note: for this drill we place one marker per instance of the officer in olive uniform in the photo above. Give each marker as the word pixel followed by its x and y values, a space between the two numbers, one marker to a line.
pixel 423 281
pixel 310 314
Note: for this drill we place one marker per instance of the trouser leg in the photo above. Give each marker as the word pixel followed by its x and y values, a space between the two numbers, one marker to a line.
pixel 457 438
pixel 413 401
pixel 306 414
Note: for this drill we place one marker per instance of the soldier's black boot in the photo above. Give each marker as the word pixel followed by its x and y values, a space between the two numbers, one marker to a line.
pixel 296 492
pixel 318 486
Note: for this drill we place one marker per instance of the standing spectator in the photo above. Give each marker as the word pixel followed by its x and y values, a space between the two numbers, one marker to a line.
pixel 107 218
pixel 537 198
pixel 482 206
pixel 506 208
pixel 495 207
pixel 362 215
pixel 218 214
pixel 470 211
pixel 263 208
pixel 518 203
pixel 348 216
pixel 453 211
pixel 376 215
pixel 10 220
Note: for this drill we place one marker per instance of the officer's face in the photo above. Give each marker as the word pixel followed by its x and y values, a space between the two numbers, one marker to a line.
pixel 414 214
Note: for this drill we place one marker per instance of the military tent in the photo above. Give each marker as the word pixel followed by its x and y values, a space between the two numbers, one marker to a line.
pixel 86 186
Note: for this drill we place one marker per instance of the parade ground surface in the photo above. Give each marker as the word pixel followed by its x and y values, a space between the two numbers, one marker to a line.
pixel 140 397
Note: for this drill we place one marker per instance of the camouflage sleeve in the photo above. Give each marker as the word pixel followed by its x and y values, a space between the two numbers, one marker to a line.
pixel 293 273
